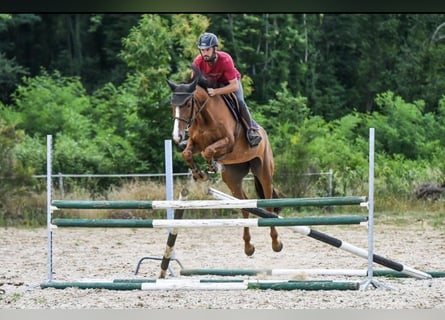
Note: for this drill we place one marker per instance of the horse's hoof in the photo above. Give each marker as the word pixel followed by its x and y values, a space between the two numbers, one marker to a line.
pixel 213 166
pixel 212 170
pixel 203 176
pixel 277 247
pixel 249 250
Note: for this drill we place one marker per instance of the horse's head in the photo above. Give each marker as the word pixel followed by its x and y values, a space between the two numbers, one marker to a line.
pixel 181 92
pixel 184 98
pixel 182 103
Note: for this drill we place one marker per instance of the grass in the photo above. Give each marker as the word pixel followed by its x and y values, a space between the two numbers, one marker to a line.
pixel 30 211
pixel 432 219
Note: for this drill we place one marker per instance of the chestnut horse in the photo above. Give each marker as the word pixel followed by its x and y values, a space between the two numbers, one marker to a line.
pixel 214 131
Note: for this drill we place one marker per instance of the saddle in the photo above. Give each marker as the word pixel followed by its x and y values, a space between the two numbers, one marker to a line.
pixel 233 105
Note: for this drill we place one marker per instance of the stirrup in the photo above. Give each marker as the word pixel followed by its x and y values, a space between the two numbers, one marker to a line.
pixel 253 138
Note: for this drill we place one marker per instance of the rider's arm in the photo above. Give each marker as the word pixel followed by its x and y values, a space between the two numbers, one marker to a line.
pixel 232 86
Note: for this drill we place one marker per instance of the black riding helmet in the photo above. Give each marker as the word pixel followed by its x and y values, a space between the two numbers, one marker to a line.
pixel 207 40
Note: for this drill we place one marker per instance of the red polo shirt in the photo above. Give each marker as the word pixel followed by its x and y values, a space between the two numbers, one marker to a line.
pixel 222 71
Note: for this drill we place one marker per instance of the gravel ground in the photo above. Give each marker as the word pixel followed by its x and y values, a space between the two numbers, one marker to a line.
pixel 113 253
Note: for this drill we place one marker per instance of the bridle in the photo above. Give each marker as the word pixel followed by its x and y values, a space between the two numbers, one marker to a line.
pixel 191 99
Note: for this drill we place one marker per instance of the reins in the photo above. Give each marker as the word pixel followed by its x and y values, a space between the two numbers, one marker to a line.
pixel 193 114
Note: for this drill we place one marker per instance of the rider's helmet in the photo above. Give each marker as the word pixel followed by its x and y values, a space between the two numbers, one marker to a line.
pixel 207 40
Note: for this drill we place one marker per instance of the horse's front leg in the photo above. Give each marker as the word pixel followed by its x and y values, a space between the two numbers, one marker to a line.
pixel 187 155
pixel 215 150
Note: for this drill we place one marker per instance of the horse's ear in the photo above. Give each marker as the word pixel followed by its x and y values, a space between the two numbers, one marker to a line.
pixel 172 85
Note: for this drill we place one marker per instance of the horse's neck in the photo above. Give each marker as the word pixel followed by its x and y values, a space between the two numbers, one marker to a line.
pixel 213 110
pixel 205 111
pixel 205 106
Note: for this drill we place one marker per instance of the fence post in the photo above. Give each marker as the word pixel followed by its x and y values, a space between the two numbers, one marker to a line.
pixel 62 193
pixel 331 182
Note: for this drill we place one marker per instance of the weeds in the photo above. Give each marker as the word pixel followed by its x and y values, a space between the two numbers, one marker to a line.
pixel 31 211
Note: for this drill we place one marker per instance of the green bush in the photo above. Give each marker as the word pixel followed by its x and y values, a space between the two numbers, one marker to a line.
pixel 15 179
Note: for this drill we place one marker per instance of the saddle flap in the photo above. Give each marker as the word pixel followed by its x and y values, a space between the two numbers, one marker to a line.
pixel 232 103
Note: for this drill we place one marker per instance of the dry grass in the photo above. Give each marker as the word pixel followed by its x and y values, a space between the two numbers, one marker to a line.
pixel 30 210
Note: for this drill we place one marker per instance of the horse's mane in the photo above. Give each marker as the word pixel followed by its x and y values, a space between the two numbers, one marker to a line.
pixel 202 80
pixel 182 92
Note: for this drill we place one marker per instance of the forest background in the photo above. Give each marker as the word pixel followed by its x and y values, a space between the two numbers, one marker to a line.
pixel 315 82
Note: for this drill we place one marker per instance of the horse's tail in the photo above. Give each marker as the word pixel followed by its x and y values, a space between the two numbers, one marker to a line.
pixel 260 193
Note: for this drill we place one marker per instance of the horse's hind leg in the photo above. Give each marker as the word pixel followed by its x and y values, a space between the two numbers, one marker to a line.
pixel 232 176
pixel 264 189
pixel 249 248
pixel 277 245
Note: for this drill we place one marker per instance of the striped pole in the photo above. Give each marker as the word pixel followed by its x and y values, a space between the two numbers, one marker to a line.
pixel 300 272
pixel 202 284
pixel 206 223
pixel 208 204
pixel 334 241
pixel 171 240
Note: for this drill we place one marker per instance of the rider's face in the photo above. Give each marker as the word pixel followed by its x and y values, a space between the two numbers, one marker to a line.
pixel 207 53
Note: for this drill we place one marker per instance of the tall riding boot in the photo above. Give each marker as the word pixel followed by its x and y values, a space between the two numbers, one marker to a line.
pixel 252 134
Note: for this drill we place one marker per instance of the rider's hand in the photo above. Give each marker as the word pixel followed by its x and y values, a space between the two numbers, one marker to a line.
pixel 211 92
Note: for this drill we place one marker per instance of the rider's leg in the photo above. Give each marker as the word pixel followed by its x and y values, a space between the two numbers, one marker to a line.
pixel 252 134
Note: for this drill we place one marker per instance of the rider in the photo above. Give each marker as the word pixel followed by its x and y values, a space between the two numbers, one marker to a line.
pixel 218 67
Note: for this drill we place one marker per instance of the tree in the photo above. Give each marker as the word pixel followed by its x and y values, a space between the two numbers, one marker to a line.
pixel 159 47
pixel 269 48
pixel 15 178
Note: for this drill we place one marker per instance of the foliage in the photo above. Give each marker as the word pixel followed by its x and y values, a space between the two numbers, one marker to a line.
pixel 152 66
pixel 15 178
pixel 269 48
pixel 315 82
pixel 49 104
pixel 10 74
pixel 398 179
pixel 57 105
pixel 404 128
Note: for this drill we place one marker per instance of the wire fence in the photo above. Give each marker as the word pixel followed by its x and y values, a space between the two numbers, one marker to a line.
pixel 61 176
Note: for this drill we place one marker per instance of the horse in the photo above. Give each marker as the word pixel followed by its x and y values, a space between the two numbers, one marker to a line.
pixel 215 133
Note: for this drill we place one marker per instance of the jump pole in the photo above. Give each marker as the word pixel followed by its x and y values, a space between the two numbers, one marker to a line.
pixel 304 230
pixel 206 223
pixel 301 272
pixel 170 246
pixel 207 204
pixel 204 284
pixel 169 253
